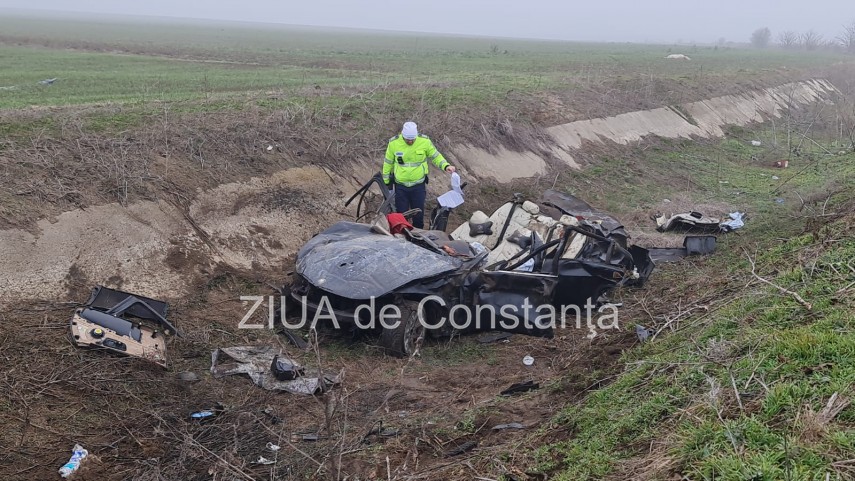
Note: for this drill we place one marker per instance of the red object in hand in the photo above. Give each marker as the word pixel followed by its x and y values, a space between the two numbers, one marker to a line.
pixel 397 223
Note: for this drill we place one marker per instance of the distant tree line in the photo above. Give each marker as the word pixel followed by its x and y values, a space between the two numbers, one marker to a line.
pixel 810 40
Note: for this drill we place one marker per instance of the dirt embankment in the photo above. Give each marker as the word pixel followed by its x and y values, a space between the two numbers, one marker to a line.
pixel 158 246
pixel 192 220
pixel 57 159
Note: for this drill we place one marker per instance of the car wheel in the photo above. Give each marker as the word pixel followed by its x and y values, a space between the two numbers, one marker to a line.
pixel 406 339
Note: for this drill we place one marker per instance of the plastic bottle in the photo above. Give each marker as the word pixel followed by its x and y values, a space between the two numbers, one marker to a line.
pixel 77 455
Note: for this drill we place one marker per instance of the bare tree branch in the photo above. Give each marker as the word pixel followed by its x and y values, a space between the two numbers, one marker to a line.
pixel 795 295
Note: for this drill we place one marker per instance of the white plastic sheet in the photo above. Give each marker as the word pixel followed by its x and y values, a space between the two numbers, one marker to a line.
pixel 255 362
pixel 734 223
pixel 453 197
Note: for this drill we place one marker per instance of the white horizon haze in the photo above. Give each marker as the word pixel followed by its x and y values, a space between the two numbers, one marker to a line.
pixel 649 21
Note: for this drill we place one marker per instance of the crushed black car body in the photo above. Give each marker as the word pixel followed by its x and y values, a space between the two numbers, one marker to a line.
pixel 557 252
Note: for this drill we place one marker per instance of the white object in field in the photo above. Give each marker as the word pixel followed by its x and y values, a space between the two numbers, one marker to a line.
pixel 756 143
pixel 735 223
pixel 528 360
pixel 77 455
pixel 678 56
pixel 453 197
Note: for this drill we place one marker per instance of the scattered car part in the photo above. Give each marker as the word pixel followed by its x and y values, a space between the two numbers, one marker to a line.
pixel 494 337
pixel 124 323
pixel 294 339
pixel 378 430
pixel 309 437
pixel 202 415
pixel 467 446
pixel 209 413
pixel 692 246
pixel 284 369
pixel 699 244
pixel 688 221
pixel 256 361
pixel 643 333
pixel 737 221
pixel 501 427
pixel 289 309
pixel 520 387
pixel 698 222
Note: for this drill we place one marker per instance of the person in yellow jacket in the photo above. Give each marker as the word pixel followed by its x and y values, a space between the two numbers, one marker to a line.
pixel 406 164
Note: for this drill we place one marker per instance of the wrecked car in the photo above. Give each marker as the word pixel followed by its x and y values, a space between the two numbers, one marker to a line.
pixel 524 256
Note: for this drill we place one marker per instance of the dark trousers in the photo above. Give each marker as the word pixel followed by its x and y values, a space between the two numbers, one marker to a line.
pixel 407 198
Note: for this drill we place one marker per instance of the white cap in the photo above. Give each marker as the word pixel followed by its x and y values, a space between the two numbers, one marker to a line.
pixel 410 131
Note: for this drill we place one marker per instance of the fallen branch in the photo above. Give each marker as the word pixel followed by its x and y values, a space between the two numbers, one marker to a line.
pixel 231 466
pixel 815 424
pixel 680 315
pixel 736 391
pixel 289 443
pixel 815 143
pixel 840 291
pixel 795 295
pixel 832 408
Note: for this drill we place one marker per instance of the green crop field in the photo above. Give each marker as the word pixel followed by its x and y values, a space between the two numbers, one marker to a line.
pixel 101 61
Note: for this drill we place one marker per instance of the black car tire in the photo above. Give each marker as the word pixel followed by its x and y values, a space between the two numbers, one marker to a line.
pixel 406 339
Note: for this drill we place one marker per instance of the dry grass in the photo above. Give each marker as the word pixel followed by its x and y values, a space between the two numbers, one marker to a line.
pixel 813 425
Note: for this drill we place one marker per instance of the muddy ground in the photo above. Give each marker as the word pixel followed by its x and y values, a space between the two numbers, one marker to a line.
pixel 201 256
pixel 437 411
pixel 200 251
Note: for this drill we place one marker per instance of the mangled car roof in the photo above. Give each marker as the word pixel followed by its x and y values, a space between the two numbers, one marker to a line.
pixel 384 263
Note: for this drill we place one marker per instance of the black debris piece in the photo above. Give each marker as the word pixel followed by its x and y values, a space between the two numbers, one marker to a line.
pixel 501 427
pixel 520 387
pixel 467 446
pixel 494 337
pixel 693 245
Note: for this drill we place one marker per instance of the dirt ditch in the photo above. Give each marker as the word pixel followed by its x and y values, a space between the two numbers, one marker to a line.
pixel 437 412
pixel 200 244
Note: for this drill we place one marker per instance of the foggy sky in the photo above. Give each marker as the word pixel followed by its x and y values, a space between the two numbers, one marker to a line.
pixel 591 20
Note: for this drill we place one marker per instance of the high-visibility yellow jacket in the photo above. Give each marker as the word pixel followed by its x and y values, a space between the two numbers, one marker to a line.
pixel 409 163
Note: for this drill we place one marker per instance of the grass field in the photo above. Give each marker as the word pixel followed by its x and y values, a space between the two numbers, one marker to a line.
pixel 117 61
pixel 736 386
